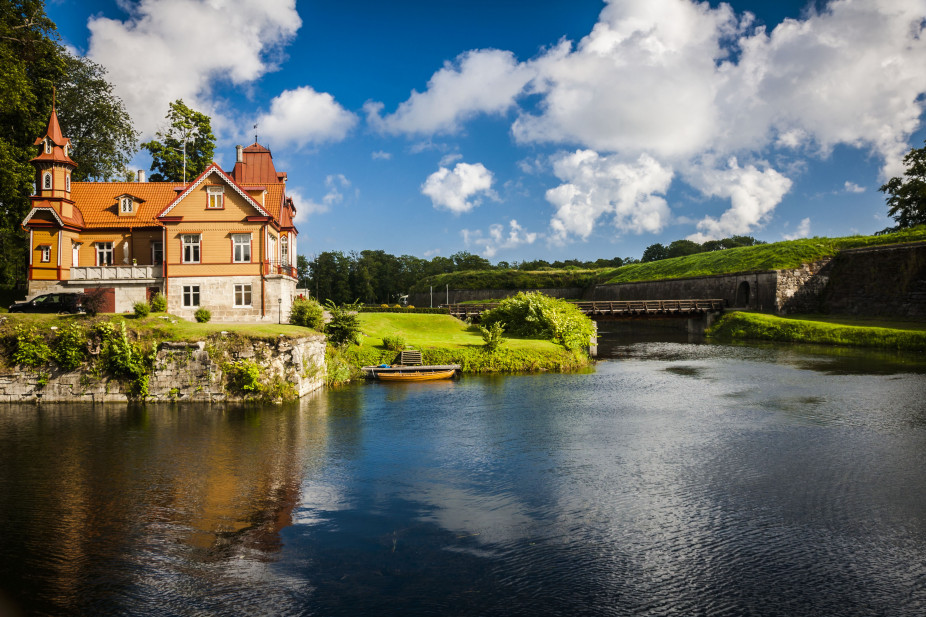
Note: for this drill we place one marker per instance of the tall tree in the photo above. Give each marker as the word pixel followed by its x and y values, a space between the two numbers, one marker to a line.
pixel 30 64
pixel 906 196
pixel 103 139
pixel 655 252
pixel 184 149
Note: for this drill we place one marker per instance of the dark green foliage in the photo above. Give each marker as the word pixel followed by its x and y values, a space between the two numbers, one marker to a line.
pixel 680 248
pixel 344 327
pixel 307 313
pixel 492 335
pixel 202 315
pixel 159 302
pixel 188 131
pixel 31 347
pixel 655 252
pixel 93 300
pixel 535 315
pixel 142 309
pixel 906 196
pixel 103 139
pixel 394 343
pixel 71 347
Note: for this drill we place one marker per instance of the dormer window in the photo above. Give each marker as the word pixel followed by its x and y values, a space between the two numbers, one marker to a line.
pixel 65 149
pixel 126 205
pixel 216 195
pixel 46 180
pixel 47 146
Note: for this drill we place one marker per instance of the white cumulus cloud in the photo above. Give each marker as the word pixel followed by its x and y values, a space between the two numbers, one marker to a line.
pixel 459 190
pixel 852 187
pixel 802 231
pixel 753 195
pixel 480 81
pixel 629 194
pixel 171 49
pixel 498 238
pixel 304 116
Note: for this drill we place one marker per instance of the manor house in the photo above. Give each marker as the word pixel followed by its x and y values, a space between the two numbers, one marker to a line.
pixel 224 241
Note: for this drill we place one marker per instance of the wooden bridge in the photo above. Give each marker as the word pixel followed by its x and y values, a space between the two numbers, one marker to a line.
pixel 615 310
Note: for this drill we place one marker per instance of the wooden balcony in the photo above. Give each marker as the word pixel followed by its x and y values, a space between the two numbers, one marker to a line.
pixel 117 273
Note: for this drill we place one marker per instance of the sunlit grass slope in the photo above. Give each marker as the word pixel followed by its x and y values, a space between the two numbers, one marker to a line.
pixel 759 327
pixel 780 255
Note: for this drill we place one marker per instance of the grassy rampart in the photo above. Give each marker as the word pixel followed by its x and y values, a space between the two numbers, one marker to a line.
pixel 906 336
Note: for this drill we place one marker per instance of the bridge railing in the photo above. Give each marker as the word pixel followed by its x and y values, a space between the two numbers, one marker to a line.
pixel 621 307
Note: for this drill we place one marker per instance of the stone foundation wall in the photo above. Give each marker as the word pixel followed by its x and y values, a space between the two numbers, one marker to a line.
pixel 801 290
pixel 423 300
pixel 880 281
pixel 182 372
pixel 218 295
pixel 753 290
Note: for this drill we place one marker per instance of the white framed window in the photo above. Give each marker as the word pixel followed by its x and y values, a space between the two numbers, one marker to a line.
pixel 47 146
pixel 67 183
pixel 157 253
pixel 191 295
pixel 241 248
pixel 216 196
pixel 75 253
pixel 46 180
pixel 65 149
pixel 45 250
pixel 271 248
pixel 284 249
pixel 104 253
pixel 127 206
pixel 243 295
pixel 191 246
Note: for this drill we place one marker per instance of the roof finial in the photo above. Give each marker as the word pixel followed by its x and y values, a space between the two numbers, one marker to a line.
pixel 255 134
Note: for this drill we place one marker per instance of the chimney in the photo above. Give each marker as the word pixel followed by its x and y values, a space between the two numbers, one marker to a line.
pixel 141 175
pixel 240 150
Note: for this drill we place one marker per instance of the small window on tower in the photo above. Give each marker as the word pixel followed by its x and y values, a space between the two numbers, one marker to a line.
pixel 67 183
pixel 46 180
pixel 47 146
pixel 46 253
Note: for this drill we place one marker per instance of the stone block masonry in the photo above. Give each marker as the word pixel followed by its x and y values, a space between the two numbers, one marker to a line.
pixel 182 372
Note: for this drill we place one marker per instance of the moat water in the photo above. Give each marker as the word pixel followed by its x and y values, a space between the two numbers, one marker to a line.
pixel 676 478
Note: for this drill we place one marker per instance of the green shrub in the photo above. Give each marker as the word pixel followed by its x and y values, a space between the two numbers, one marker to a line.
pixel 394 343
pixel 31 347
pixel 244 376
pixel 93 300
pixel 70 347
pixel 141 309
pixel 202 315
pixel 536 315
pixel 344 327
pixel 159 302
pixel 124 359
pixel 492 335
pixel 307 313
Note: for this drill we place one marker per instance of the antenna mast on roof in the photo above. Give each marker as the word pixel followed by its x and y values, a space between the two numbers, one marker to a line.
pixel 255 133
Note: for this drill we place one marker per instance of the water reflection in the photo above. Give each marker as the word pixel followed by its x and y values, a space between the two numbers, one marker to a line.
pixel 678 478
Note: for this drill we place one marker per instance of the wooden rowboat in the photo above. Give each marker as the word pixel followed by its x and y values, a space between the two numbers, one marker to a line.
pixel 416 375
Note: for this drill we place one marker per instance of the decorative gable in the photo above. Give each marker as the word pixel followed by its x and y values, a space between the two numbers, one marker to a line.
pixel 226 184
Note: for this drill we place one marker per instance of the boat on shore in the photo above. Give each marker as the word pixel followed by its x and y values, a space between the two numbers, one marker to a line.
pixel 401 373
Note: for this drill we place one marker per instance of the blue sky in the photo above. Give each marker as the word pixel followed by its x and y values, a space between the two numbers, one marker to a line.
pixel 537 129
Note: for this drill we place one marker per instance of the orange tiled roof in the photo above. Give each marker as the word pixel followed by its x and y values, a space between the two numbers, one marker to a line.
pixel 97 201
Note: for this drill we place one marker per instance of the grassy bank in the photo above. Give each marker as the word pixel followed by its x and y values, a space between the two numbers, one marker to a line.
pixel 820 330
pixel 777 256
pixel 446 340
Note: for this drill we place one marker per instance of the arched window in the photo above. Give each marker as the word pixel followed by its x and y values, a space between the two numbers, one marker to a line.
pixel 46 180
pixel 284 249
pixel 67 183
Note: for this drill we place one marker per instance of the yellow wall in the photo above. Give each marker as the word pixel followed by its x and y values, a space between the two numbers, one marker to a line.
pixel 45 270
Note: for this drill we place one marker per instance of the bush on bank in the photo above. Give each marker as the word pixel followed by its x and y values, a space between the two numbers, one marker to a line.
pixel 536 315
pixel 756 326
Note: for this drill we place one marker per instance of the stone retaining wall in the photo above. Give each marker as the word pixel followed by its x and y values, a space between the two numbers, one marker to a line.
pixel 182 372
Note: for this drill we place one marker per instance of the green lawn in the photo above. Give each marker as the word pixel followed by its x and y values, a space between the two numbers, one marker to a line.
pixel 422 330
pixel 161 326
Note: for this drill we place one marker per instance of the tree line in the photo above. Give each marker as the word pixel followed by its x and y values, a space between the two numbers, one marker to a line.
pixel 681 248
pixel 376 277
